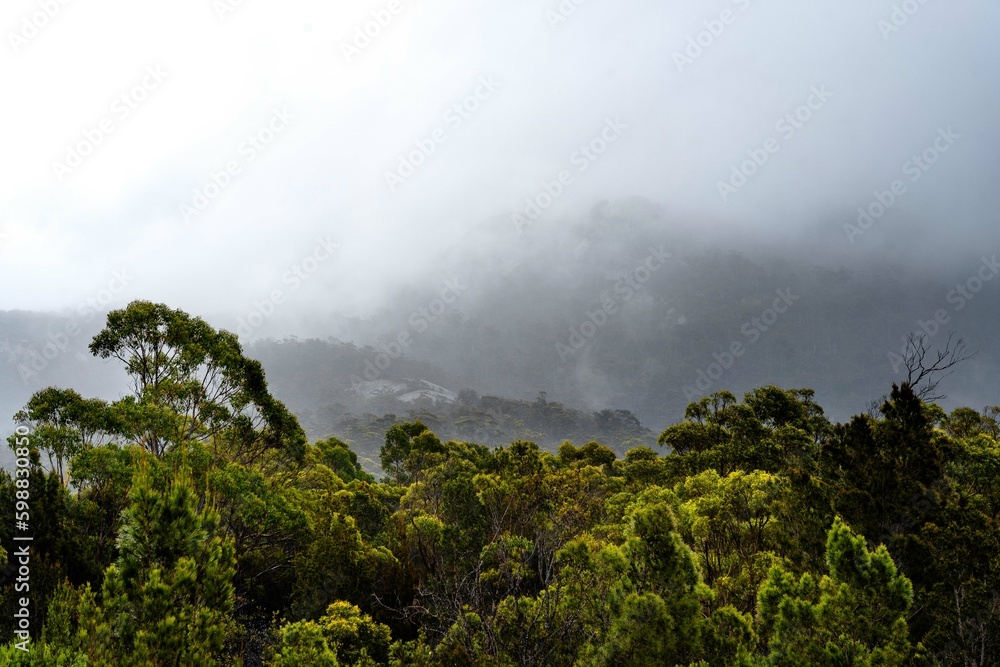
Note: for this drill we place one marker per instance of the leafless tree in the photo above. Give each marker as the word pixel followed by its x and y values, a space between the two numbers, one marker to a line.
pixel 924 368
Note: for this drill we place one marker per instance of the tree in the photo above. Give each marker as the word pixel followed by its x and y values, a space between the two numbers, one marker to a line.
pixel 924 374
pixel 771 429
pixel 592 453
pixel 169 597
pixel 269 528
pixel 856 615
pixel 732 523
pixel 341 460
pixel 190 381
pixel 165 601
pixel 887 473
pixel 303 643
pixel 64 424
pixel 399 441
pixel 342 636
pixel 956 560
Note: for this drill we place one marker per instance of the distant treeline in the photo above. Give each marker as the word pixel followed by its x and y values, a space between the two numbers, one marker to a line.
pixel 193 522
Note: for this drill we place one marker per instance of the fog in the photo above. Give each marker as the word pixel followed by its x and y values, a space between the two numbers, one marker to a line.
pixel 554 79
pixel 307 169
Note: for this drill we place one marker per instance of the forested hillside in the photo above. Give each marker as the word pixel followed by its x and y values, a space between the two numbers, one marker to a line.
pixel 193 521
pixel 545 333
pixel 605 333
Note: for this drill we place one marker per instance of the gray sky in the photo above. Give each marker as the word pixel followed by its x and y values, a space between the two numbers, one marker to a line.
pixel 313 117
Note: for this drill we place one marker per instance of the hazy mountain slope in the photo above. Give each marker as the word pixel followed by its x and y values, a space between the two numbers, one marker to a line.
pixel 624 310
pixel 571 319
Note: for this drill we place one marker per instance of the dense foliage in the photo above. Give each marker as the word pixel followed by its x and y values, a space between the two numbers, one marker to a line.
pixel 190 523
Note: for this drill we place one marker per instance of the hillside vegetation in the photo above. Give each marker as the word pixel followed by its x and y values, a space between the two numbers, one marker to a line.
pixel 193 522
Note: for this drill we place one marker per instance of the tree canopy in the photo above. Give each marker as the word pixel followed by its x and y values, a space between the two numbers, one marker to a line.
pixel 192 523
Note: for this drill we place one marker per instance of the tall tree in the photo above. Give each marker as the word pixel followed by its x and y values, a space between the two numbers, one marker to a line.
pixel 190 381
pixel 856 615
pixel 169 597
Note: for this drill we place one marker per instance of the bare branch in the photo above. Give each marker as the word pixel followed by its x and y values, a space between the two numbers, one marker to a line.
pixel 925 368
pixel 874 407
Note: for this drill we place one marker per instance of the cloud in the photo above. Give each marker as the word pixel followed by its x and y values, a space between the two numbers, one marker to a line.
pixel 559 82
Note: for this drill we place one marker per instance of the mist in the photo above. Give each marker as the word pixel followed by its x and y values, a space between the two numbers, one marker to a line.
pixel 506 96
pixel 301 171
pixel 519 332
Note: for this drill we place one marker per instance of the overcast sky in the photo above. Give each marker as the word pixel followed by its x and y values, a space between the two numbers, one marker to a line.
pixel 117 113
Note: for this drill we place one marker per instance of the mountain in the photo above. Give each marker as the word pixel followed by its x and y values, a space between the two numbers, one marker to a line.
pixel 533 333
